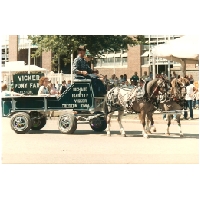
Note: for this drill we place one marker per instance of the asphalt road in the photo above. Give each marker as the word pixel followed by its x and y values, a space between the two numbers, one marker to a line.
pixel 86 146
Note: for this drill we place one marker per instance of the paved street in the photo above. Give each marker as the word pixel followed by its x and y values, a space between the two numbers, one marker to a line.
pixel 86 146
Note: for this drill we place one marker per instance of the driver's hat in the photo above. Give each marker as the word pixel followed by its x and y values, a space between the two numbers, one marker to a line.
pixel 81 47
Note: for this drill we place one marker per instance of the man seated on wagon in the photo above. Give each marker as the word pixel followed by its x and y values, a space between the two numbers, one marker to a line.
pixel 81 68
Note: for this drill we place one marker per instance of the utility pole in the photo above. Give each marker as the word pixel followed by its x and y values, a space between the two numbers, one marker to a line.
pixel 168 69
pixel 29 55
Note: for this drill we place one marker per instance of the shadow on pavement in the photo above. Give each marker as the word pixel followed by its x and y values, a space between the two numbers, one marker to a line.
pixel 117 133
pixel 175 136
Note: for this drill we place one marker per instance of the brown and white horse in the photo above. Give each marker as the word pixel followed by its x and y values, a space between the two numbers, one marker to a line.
pixel 175 103
pixel 119 99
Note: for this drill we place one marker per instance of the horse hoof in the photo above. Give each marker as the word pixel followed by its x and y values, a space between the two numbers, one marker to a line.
pixel 167 134
pixel 123 135
pixel 181 135
pixel 146 136
pixel 154 130
pixel 108 135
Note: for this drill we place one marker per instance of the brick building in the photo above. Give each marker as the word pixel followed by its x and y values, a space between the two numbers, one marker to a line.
pixel 137 58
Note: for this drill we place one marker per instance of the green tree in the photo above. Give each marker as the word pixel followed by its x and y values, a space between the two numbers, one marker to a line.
pixel 64 45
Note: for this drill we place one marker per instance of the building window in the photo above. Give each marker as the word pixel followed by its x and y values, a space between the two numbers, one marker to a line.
pixel 111 60
pixel 4 55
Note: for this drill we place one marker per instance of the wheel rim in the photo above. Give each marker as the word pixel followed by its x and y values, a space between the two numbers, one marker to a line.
pixel 65 123
pixel 96 123
pixel 20 123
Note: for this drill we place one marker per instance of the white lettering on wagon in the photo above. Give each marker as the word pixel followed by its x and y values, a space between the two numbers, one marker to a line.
pixel 79 95
pixel 78 89
pixel 69 105
pixel 80 100
pixel 85 105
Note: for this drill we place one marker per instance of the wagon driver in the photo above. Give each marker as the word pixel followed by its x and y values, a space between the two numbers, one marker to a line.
pixel 81 67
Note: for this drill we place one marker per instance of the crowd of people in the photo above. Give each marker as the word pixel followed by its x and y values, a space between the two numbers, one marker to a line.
pixel 192 89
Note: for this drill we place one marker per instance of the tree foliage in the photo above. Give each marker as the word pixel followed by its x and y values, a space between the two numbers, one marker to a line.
pixel 64 45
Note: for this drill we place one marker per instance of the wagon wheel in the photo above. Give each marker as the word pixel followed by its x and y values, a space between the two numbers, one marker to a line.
pixel 67 123
pixel 38 124
pixel 20 122
pixel 99 123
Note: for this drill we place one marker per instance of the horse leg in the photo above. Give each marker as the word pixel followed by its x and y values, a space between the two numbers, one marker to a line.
pixel 119 119
pixel 168 124
pixel 109 116
pixel 142 118
pixel 179 124
pixel 148 125
pixel 152 122
pixel 150 119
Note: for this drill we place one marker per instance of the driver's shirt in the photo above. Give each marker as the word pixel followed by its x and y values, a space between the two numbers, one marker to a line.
pixel 80 64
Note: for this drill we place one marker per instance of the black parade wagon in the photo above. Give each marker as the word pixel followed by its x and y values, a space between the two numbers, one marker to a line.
pixel 77 102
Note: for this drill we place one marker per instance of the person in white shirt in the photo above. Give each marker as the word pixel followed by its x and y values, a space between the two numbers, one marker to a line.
pixel 5 93
pixel 57 86
pixel 53 90
pixel 44 89
pixel 189 99
pixel 124 84
pixel 139 89
pixel 132 85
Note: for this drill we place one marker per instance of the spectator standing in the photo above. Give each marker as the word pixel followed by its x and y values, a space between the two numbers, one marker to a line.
pixel 63 87
pixel 174 75
pixel 121 79
pixel 186 76
pixel 125 77
pixel 116 81
pixel 53 90
pixel 151 76
pixel 105 80
pixel 5 93
pixel 112 79
pixel 144 76
pixel 135 77
pixel 139 90
pixel 189 99
pixel 158 75
pixel 191 78
pixel 68 83
pixel 132 85
pixel 12 85
pixel 125 84
pixel 57 86
pixel 197 98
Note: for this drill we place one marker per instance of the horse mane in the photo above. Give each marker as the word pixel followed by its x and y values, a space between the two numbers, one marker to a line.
pixel 149 86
